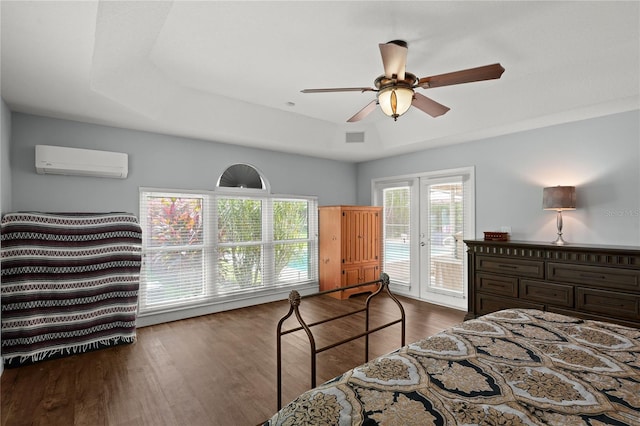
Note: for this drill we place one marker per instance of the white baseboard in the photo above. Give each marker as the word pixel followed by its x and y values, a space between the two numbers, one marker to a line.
pixel 240 301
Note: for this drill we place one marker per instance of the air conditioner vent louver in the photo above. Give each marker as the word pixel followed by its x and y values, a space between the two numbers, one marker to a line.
pixel 81 162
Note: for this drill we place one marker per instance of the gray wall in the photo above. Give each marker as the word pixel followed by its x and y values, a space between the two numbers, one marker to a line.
pixel 5 166
pixel 156 161
pixel 601 157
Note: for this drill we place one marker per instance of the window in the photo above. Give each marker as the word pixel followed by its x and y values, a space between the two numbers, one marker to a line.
pixel 291 236
pixel 174 249
pixel 239 259
pixel 202 247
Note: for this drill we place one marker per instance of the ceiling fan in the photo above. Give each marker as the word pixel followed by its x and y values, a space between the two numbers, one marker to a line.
pixel 396 88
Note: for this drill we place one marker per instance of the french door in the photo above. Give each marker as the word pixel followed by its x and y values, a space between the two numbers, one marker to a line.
pixel 442 252
pixel 426 217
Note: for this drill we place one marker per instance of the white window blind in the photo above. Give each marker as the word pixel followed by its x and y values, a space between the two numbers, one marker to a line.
pixel 174 249
pixel 397 232
pixel 293 230
pixel 446 231
pixel 200 247
pixel 240 244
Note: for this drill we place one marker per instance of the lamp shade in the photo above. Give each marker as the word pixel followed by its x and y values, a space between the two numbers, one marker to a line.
pixel 395 101
pixel 559 198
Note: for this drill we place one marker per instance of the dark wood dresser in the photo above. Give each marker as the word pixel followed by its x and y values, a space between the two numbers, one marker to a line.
pixel 587 281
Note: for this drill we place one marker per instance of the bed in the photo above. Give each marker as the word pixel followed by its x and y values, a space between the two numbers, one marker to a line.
pixel 69 283
pixel 511 367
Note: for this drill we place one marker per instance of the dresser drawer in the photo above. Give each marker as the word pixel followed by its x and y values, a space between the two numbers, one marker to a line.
pixel 519 267
pixel 613 278
pixel 497 284
pixel 547 293
pixel 487 303
pixel 622 305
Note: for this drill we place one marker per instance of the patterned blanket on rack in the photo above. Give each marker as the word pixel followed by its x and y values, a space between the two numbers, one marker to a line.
pixel 69 283
pixel 512 367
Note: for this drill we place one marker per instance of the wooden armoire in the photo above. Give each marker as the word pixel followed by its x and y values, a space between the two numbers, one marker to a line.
pixel 350 243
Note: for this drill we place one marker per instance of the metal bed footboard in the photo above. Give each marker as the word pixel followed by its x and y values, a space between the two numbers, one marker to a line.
pixel 294 301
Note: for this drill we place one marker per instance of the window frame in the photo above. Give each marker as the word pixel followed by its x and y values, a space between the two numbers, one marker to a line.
pixel 210 245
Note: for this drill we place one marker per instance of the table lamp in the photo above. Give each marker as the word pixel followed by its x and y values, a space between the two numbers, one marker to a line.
pixel 559 198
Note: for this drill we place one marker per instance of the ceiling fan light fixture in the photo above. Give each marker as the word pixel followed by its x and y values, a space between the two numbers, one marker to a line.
pixel 395 100
pixel 396 86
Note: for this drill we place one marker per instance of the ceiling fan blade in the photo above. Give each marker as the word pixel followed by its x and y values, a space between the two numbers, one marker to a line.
pixel 428 105
pixel 394 58
pixel 487 72
pixel 339 89
pixel 364 112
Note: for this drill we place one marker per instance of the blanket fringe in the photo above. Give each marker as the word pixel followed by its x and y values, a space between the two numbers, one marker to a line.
pixel 71 350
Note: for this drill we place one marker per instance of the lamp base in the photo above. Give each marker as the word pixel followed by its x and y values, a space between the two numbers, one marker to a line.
pixel 559 241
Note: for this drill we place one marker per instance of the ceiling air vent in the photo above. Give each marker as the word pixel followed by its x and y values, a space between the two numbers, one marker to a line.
pixel 355 137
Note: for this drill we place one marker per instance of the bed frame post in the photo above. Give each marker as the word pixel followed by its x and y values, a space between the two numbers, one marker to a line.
pixel 385 284
pixel 294 304
pixel 279 346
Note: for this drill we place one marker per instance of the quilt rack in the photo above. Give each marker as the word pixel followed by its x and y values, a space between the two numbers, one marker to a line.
pixel 69 283
pixel 294 301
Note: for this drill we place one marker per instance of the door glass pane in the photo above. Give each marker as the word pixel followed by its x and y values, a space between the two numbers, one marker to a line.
pixel 397 233
pixel 446 236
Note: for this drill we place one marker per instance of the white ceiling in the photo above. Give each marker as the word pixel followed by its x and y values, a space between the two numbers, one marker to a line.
pixel 230 71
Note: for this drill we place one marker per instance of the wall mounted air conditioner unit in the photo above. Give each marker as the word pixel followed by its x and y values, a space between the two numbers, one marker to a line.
pixel 60 160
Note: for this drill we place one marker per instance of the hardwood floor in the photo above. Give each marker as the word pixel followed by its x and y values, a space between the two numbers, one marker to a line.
pixel 218 369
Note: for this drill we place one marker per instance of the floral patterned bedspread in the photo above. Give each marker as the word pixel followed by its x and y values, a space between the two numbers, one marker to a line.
pixel 512 367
